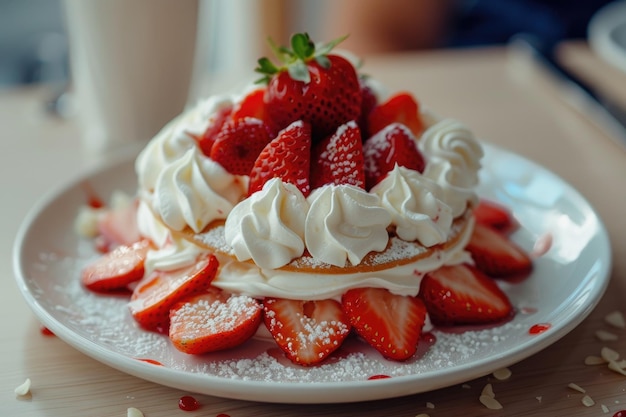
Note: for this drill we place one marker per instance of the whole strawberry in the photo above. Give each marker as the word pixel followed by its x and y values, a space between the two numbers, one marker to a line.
pixel 311 85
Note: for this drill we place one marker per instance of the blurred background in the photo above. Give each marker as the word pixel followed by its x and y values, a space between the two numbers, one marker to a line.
pixel 33 42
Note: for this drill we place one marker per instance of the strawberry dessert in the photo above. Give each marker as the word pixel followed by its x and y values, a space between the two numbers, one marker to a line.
pixel 309 209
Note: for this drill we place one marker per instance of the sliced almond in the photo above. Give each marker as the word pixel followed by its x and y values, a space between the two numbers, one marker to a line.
pixel 430 405
pixel 588 401
pixel 23 389
pixel 609 354
pixel 615 319
pixel 490 402
pixel 488 391
pixel 576 387
pixel 594 360
pixel 605 336
pixel 133 412
pixel 604 408
pixel 502 374
pixel 615 367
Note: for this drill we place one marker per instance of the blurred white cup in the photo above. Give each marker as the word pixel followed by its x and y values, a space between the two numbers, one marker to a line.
pixel 132 63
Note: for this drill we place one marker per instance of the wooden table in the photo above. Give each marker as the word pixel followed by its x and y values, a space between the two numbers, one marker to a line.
pixel 503 101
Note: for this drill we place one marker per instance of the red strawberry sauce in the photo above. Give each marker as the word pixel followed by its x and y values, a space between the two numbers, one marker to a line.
pixel 540 328
pixel 621 413
pixel 46 332
pixel 188 403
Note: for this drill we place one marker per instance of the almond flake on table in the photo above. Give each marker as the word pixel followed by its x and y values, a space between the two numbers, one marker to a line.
pixel 488 391
pixel 616 319
pixel 576 387
pixel 490 402
pixel 133 412
pixel 430 405
pixel 502 374
pixel 24 388
pixel 615 367
pixel 588 401
pixel 605 409
pixel 605 336
pixel 594 360
pixel 609 354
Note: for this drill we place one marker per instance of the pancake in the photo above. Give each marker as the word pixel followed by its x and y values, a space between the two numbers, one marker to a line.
pixel 398 252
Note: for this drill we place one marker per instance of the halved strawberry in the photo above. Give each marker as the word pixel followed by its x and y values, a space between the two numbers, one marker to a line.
pixel 115 270
pixel 118 226
pixel 338 159
pixel 287 157
pixel 461 294
pixel 390 323
pixel 216 123
pixel 497 255
pixel 239 144
pixel 252 105
pixel 400 108
pixel 395 144
pixel 212 321
pixel 157 292
pixel 307 331
pixel 494 215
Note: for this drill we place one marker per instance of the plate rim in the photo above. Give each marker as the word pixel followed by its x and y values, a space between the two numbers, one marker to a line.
pixel 293 392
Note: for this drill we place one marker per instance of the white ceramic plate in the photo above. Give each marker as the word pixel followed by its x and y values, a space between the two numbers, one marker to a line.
pixel 567 283
pixel 607 33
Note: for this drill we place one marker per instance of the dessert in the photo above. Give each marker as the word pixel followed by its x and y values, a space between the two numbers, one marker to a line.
pixel 313 208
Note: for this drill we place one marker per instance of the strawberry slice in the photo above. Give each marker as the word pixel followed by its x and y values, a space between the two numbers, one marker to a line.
pixel 216 123
pixel 307 331
pixel 115 270
pixel 400 108
pixel 461 294
pixel 118 226
pixel 252 105
pixel 497 255
pixel 494 215
pixel 395 144
pixel 212 321
pixel 286 157
pixel 157 292
pixel 239 143
pixel 338 159
pixel 390 323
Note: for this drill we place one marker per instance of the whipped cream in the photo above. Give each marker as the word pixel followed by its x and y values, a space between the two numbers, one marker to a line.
pixel 453 155
pixel 337 224
pixel 248 279
pixel 416 206
pixel 183 186
pixel 268 227
pixel 345 223
pixel 194 190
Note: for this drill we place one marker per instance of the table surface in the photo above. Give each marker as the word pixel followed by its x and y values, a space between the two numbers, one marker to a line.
pixel 503 99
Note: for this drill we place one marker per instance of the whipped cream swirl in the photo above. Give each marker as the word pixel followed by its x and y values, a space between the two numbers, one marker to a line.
pixel 453 155
pixel 415 205
pixel 195 190
pixel 175 139
pixel 268 227
pixel 181 185
pixel 345 222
